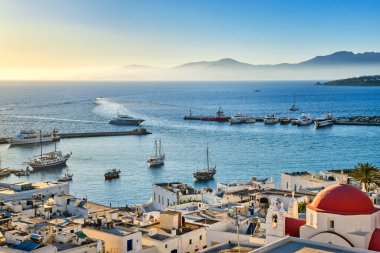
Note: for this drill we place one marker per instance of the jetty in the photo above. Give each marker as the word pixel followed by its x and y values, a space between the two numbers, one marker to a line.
pixel 139 131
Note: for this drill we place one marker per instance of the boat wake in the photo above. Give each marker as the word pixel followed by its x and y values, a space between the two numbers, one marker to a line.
pixel 106 107
pixel 56 119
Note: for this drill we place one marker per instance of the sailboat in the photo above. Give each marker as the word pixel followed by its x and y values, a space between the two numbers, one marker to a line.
pixel 294 107
pixel 54 159
pixel 158 158
pixel 206 173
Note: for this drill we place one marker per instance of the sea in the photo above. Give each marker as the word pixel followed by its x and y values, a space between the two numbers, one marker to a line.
pixel 239 152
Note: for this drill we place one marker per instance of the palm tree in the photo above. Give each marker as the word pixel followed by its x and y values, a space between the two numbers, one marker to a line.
pixel 366 174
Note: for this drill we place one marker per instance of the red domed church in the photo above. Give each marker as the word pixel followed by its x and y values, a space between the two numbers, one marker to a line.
pixel 341 214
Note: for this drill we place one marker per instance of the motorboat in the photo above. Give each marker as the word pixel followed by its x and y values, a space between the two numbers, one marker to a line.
pixel 4 171
pixel 327 120
pixel 250 119
pixel 65 177
pixel 33 136
pixel 238 118
pixel 158 158
pixel 294 108
pixel 22 173
pixel 112 174
pixel 123 119
pixel 53 159
pixel 270 119
pixel 304 119
pixel 206 173
pixel 285 120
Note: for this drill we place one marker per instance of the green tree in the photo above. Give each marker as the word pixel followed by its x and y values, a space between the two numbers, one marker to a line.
pixel 366 174
pixel 302 206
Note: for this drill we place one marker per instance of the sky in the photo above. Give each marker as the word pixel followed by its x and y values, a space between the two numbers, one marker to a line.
pixel 59 39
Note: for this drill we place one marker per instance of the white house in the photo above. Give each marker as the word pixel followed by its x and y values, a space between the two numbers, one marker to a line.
pixel 168 194
pixel 117 239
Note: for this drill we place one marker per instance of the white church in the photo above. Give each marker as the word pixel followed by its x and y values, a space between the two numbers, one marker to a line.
pixel 341 214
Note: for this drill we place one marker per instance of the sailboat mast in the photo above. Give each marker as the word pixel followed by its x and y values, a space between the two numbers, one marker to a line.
pixel 294 98
pixel 208 163
pixel 160 148
pixel 155 146
pixel 41 142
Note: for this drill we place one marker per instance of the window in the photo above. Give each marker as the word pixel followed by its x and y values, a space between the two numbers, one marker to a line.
pixel 287 185
pixel 159 198
pixel 168 202
pixel 200 237
pixel 166 246
pixel 154 196
pixel 331 224
pixel 163 200
pixel 295 187
pixel 72 231
pixel 129 245
pixel 311 219
pixel 190 241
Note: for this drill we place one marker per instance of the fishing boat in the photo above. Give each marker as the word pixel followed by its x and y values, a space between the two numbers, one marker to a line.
pixel 294 108
pixel 54 159
pixel 270 119
pixel 325 121
pixel 22 173
pixel 238 118
pixel 158 158
pixel 123 119
pixel 33 136
pixel 304 119
pixel 65 177
pixel 219 117
pixel 111 174
pixel 206 173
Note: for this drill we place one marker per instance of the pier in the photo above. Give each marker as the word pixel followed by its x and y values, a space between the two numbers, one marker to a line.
pixel 140 131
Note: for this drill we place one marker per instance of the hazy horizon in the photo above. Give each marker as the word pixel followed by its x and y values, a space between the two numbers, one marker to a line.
pixel 63 40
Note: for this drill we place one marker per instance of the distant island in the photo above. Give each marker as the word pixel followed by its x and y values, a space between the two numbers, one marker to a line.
pixel 355 81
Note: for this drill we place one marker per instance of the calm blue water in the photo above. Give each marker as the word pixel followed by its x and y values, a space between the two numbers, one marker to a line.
pixel 239 152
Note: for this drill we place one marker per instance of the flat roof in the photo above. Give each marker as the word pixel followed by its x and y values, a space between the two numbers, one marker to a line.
pixel 231 247
pixel 186 227
pixel 183 188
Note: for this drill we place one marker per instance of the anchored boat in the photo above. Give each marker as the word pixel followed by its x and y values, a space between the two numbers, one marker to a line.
pixel 66 177
pixel 111 174
pixel 54 159
pixel 294 107
pixel 32 136
pixel 158 158
pixel 206 173
pixel 325 121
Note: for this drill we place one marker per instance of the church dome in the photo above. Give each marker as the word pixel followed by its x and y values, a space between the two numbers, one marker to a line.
pixel 342 199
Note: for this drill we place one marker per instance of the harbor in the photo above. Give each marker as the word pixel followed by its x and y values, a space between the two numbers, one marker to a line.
pixel 245 119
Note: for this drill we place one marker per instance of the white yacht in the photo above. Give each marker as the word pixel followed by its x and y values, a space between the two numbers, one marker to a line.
pixel 33 136
pixel 238 118
pixel 158 158
pixel 304 119
pixel 327 120
pixel 270 119
pixel 126 120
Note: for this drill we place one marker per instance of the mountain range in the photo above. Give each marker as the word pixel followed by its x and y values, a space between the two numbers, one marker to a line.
pixel 341 64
